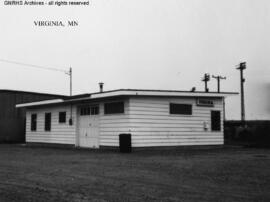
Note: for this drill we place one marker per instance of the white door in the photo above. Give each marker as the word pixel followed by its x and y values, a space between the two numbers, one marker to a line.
pixel 89 127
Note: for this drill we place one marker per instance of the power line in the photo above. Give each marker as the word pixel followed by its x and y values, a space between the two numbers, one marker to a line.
pixel 34 66
pixel 69 72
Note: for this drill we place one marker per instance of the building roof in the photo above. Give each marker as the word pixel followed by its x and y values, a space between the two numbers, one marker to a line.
pixel 29 92
pixel 127 92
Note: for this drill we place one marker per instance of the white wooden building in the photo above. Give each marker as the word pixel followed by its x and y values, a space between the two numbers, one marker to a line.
pixel 152 117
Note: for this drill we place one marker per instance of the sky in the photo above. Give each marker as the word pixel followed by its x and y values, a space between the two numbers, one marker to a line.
pixel 142 44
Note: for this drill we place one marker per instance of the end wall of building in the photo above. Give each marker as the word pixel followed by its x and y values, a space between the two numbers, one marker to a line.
pixel 60 133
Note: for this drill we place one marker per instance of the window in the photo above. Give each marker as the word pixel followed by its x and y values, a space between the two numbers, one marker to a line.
pixel 89 110
pixel 62 117
pixel 185 109
pixel 94 110
pixel 47 121
pixel 33 122
pixel 114 108
pixel 215 121
pixel 85 111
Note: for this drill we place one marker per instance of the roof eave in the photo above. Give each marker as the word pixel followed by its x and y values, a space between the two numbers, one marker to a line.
pixel 128 92
pixel 40 103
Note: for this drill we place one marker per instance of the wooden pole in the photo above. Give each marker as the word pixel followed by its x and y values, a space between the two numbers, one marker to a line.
pixel 218 81
pixel 70 81
pixel 241 67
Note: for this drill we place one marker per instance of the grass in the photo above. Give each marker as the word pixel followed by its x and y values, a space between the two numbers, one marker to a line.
pixel 49 174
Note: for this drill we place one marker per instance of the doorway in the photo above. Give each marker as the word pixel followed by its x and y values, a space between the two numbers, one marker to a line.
pixel 89 126
pixel 215 121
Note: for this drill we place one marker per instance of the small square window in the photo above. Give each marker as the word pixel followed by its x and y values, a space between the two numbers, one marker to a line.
pixel 62 117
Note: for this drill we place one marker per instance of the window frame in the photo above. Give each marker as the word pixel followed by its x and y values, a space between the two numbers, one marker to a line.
pixel 87 110
pixel 180 114
pixel 114 113
pixel 48 123
pixel 64 119
pixel 94 110
pixel 33 121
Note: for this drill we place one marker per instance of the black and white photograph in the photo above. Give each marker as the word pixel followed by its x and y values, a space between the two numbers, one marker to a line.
pixel 134 100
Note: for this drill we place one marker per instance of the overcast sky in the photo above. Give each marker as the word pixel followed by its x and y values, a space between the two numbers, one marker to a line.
pixel 142 44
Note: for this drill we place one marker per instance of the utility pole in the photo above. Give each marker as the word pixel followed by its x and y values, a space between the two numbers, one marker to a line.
pixel 218 81
pixel 70 80
pixel 241 67
pixel 205 79
pixel 70 93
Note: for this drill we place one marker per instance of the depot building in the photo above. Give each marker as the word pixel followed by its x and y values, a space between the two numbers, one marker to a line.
pixel 153 118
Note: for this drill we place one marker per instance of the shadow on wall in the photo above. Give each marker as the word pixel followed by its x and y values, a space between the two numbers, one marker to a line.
pixel 249 133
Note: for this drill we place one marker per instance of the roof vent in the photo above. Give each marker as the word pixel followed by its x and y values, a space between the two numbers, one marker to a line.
pixel 101 87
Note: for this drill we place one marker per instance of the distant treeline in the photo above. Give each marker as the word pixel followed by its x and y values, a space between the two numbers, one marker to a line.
pixel 249 133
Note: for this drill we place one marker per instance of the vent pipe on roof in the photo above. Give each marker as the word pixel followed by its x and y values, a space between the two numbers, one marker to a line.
pixel 101 87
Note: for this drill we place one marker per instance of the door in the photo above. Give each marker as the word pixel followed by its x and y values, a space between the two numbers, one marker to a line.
pixel 215 121
pixel 89 127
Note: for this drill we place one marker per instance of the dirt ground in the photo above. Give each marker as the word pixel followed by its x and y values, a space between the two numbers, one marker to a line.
pixel 51 174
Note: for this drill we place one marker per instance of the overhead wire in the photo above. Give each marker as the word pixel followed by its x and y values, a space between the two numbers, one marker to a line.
pixel 34 66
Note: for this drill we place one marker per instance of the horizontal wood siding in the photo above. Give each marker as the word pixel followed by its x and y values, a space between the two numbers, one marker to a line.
pixel 112 125
pixel 151 124
pixel 61 133
pixel 146 118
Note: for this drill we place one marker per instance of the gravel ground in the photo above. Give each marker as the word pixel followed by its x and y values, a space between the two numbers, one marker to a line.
pixel 51 174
